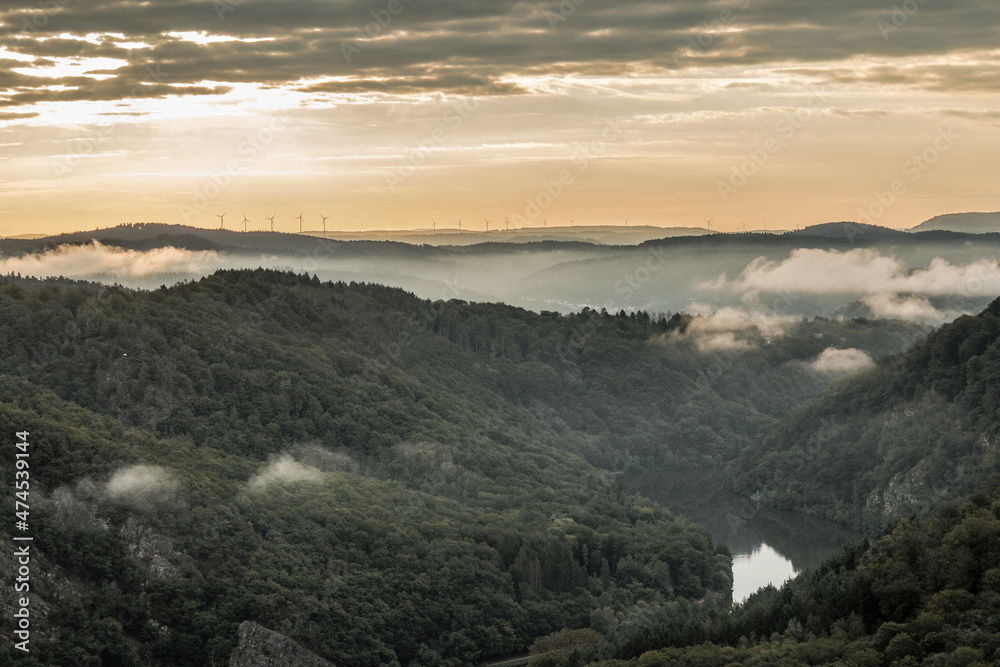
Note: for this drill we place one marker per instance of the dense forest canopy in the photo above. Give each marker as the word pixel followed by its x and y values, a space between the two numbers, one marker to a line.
pixel 382 478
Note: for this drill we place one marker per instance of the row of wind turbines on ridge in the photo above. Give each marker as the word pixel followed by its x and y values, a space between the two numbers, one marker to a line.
pixel 222 221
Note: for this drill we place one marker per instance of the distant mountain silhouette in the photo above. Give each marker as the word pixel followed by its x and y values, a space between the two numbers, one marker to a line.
pixel 848 230
pixel 968 223
pixel 127 234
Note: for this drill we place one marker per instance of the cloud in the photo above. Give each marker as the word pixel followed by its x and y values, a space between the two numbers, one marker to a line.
pixel 274 42
pixel 141 483
pixel 833 360
pixel 729 329
pixel 99 261
pixel 909 308
pixel 283 470
pixel 863 271
pixel 734 319
pixel 721 342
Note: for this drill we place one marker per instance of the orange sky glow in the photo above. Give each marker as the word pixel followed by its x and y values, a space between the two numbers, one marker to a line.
pixel 394 114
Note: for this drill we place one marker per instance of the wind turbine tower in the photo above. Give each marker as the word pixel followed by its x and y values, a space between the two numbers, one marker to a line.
pixel 222 220
pixel 245 221
pixel 300 221
pixel 324 222
pixel 272 221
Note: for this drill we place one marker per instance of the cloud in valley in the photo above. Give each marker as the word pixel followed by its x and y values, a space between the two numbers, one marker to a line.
pixel 728 319
pixel 95 260
pixel 908 308
pixel 729 329
pixel 888 287
pixel 863 271
pixel 142 483
pixel 833 360
pixel 283 470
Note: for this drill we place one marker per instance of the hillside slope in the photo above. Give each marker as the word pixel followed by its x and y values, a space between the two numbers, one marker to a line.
pixel 918 429
pixel 466 540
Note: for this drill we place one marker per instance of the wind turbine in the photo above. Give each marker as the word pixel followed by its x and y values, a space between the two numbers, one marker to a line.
pixel 570 223
pixel 272 221
pixel 324 222
pixel 487 224
pixel 434 225
pixel 245 221
pixel 300 221
pixel 507 222
pixel 709 222
pixel 545 222
pixel 222 220
pixel 626 222
pixel 459 224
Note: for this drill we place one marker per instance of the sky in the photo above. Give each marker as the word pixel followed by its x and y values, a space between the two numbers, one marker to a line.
pixel 395 114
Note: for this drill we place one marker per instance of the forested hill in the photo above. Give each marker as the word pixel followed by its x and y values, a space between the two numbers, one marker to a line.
pixel 919 428
pixel 382 479
pixel 247 361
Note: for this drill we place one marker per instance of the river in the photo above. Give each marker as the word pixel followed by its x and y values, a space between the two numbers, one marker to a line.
pixel 769 546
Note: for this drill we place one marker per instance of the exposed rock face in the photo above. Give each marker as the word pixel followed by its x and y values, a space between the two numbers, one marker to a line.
pixel 260 647
pixel 154 551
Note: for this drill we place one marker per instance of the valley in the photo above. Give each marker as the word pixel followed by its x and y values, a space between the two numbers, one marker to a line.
pixel 450 481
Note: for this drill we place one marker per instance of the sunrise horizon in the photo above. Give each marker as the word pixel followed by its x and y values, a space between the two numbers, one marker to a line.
pixel 771 115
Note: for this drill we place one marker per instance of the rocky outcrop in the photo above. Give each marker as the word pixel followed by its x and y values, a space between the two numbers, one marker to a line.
pixel 260 647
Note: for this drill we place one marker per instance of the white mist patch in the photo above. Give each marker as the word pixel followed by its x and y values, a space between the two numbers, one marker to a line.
pixel 721 342
pixel 283 470
pixel 862 271
pixel 141 482
pixel 725 329
pixel 96 260
pixel 736 319
pixel 908 308
pixel 834 360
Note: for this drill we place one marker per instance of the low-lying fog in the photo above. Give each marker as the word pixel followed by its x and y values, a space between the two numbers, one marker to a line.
pixel 916 281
